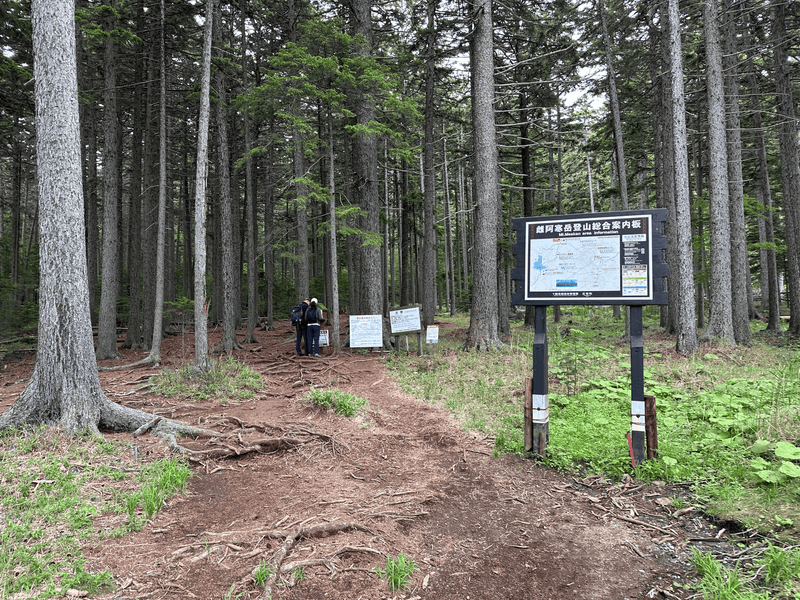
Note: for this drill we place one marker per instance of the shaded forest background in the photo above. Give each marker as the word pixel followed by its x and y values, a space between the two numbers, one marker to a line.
pixel 586 116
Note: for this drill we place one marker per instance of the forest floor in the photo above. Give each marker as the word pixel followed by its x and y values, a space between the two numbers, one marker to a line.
pixel 401 478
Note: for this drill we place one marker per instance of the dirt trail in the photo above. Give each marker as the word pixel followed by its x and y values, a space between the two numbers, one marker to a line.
pixel 401 478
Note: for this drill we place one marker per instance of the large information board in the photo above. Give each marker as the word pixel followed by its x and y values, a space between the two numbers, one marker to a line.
pixel 366 331
pixel 591 258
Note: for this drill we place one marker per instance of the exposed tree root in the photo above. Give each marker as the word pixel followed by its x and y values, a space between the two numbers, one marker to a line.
pixel 276 563
pixel 148 360
pixel 266 445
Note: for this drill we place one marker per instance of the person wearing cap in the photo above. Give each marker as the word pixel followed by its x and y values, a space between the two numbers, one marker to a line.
pixel 302 331
pixel 313 319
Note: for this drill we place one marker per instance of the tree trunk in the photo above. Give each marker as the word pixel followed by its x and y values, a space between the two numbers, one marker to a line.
pixel 429 263
pixel 681 277
pixel 720 322
pixel 333 256
pixel 615 113
pixel 764 197
pixel 201 360
pixel 149 219
pixel 366 161
pixel 483 326
pixel 740 269
pixel 250 202
pixel 89 146
pixel 448 228
pixel 269 232
pixel 230 309
pixel 158 313
pixel 133 337
pixel 790 168
pixel 664 155
pixel 107 321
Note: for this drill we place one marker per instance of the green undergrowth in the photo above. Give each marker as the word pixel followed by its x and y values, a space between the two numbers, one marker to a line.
pixel 728 418
pixel 397 571
pixel 58 493
pixel 342 403
pixel 226 380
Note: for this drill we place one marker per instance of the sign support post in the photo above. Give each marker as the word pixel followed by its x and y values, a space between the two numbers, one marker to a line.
pixel 540 413
pixel 637 445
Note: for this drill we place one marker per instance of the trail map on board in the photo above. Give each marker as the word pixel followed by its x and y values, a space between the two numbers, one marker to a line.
pixel 583 263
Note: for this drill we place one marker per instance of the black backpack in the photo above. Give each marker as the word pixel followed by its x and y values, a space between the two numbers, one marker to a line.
pixel 312 316
pixel 297 314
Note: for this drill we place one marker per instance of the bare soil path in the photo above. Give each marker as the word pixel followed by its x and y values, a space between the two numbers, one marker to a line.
pixel 401 478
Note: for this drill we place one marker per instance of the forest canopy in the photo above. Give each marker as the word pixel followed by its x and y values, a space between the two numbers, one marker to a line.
pixel 346 153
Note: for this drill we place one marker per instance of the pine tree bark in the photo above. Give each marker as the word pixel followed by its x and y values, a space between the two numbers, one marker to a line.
pixel 429 266
pixel 230 307
pixel 764 197
pixel 333 253
pixel 250 201
pixel 269 232
pixel 740 269
pixel 720 322
pixel 149 216
pixel 158 313
pixel 201 360
pixel 483 328
pixel 107 321
pixel 133 337
pixel 682 282
pixel 790 168
pixel 301 193
pixel 615 112
pixel 448 228
pixel 663 150
pixel 365 157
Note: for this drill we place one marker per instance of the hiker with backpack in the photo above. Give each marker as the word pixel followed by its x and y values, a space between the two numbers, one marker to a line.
pixel 298 316
pixel 313 318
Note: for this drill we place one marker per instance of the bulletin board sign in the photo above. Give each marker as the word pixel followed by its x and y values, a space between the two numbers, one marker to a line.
pixel 432 334
pixel 323 338
pixel 366 331
pixel 405 320
pixel 591 258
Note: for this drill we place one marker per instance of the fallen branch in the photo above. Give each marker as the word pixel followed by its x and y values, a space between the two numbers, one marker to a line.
pixel 641 523
pixel 313 531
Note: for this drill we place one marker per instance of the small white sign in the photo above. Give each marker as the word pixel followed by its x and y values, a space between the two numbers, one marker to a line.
pixel 366 331
pixel 323 338
pixel 405 320
pixel 432 334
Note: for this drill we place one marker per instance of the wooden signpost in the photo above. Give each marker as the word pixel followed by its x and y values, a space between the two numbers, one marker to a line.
pixel 404 321
pixel 597 259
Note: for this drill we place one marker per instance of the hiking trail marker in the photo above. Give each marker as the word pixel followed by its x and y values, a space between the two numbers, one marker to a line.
pixel 596 259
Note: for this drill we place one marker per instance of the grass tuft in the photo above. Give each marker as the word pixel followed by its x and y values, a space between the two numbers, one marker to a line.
pixel 398 571
pixel 347 405
pixel 228 379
